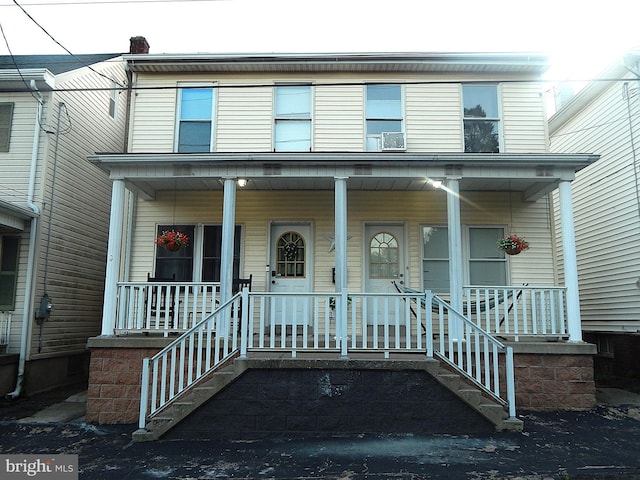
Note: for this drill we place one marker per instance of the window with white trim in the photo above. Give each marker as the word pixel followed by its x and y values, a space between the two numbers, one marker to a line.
pixel 197 259
pixel 195 119
pixel 481 118
pixel 485 263
pixel 6 117
pixel 292 118
pixel 113 100
pixel 384 113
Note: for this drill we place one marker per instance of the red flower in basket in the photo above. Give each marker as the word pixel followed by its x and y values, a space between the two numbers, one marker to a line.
pixel 513 244
pixel 172 240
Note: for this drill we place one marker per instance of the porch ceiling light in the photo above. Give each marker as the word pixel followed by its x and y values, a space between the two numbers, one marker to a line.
pixel 242 182
pixel 434 182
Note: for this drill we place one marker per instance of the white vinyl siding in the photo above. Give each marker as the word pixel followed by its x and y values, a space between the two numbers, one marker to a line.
pixel 244 119
pixel 606 216
pixel 523 118
pixel 255 209
pixel 153 118
pixel 433 118
pixel 78 206
pixel 338 118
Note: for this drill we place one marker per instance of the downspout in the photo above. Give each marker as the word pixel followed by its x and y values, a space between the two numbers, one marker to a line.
pixel 28 291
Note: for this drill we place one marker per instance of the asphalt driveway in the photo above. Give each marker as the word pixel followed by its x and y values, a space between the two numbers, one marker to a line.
pixel 603 443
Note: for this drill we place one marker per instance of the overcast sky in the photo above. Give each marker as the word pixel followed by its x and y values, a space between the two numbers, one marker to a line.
pixel 582 38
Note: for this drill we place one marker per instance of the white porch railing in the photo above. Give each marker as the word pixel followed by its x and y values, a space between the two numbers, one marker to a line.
pixel 518 311
pixel 342 323
pixel 163 307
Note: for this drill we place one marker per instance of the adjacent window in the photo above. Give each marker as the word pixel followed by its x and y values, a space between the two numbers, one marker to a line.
pixel 481 119
pixel 195 119
pixel 487 265
pixel 182 263
pixel 9 253
pixel 113 100
pixel 292 112
pixel 384 113
pixel 6 116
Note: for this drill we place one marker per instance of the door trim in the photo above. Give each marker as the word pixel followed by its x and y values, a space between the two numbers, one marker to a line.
pixel 310 263
pixel 365 249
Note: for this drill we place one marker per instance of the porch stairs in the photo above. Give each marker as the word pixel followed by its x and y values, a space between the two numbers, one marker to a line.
pixel 192 406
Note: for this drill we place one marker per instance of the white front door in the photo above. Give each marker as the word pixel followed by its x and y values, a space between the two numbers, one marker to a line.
pixel 290 272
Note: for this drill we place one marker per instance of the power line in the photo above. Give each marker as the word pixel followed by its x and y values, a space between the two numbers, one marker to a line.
pixel 62 46
pixel 110 2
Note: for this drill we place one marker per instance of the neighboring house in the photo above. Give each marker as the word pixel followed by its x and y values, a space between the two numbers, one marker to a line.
pixel 333 182
pixel 604 118
pixel 54 212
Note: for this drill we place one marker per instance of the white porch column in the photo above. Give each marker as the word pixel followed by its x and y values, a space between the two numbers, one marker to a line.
pixel 114 251
pixel 341 232
pixel 570 262
pixel 228 231
pixel 455 249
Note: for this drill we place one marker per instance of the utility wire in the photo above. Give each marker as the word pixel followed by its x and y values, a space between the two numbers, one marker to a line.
pixel 111 2
pixel 13 59
pixel 62 46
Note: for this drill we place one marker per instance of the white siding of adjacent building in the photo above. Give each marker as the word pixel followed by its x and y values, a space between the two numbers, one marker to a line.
pixel 607 219
pixel 75 217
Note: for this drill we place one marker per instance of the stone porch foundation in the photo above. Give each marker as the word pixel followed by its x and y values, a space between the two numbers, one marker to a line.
pixel 548 376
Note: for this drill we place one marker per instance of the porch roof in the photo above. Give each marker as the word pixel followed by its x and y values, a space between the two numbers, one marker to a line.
pixel 533 174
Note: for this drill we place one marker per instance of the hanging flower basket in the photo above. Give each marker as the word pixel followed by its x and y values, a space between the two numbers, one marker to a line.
pixel 172 241
pixel 513 244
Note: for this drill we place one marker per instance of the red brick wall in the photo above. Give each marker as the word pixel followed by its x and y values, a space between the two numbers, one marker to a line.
pixel 114 384
pixel 554 382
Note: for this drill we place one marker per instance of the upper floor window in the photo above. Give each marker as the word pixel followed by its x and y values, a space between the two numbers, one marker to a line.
pixel 6 115
pixel 292 112
pixel 485 265
pixel 384 113
pixel 113 100
pixel 195 119
pixel 481 119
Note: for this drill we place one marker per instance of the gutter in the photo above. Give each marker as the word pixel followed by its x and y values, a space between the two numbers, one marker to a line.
pixel 28 291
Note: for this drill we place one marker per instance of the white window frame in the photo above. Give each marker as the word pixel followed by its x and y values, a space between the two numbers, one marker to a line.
pixel 113 101
pixel 214 97
pixel 373 141
pixel 497 119
pixel 278 118
pixel 466 252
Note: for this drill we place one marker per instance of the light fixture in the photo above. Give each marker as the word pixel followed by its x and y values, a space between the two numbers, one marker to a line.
pixel 242 182
pixel 434 183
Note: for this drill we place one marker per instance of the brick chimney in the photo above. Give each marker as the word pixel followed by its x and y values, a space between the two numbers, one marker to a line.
pixel 138 45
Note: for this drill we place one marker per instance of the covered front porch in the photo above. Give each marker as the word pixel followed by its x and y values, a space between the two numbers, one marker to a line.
pixel 335 307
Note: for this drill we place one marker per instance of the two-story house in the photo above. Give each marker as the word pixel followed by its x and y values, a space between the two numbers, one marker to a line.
pixel 363 200
pixel 54 212
pixel 604 118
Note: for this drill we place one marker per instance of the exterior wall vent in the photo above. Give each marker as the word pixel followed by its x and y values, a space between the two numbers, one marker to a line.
pixel 272 169
pixel 362 169
pixel 394 142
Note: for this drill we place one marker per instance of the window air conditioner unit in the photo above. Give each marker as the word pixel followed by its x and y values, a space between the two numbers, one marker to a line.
pixel 394 142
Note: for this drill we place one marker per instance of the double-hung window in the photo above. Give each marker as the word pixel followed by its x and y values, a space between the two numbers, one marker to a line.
pixel 481 119
pixel 384 113
pixel 6 115
pixel 486 264
pixel 200 260
pixel 292 118
pixel 195 119
pixel 113 100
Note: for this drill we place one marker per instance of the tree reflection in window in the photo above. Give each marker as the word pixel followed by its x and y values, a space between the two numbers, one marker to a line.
pixel 383 256
pixel 290 255
pixel 481 118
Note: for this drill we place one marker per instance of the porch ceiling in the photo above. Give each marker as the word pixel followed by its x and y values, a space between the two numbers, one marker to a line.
pixel 533 174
